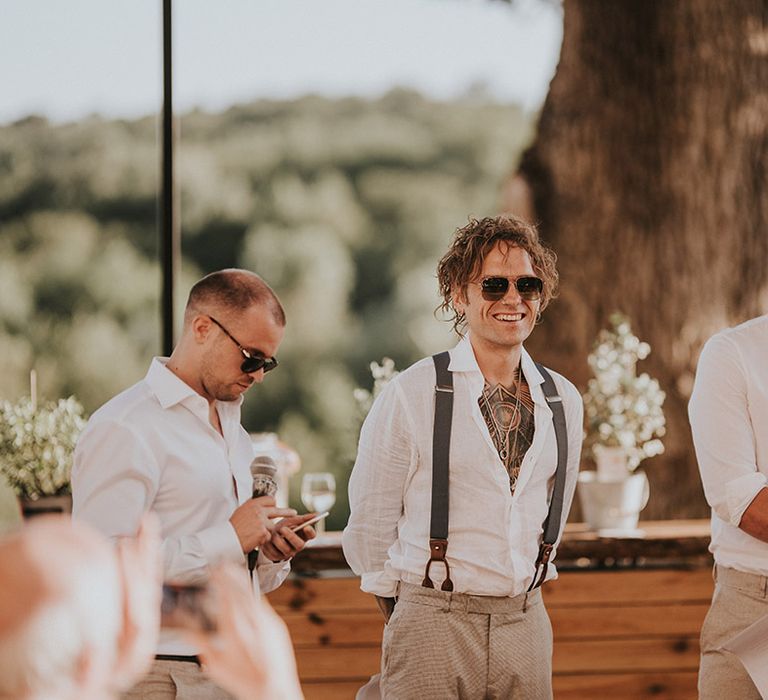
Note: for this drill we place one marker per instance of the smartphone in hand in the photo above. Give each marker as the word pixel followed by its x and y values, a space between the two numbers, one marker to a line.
pixel 187 607
pixel 311 521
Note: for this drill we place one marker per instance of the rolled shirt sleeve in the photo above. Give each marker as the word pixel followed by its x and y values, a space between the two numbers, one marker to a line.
pixel 723 433
pixel 270 573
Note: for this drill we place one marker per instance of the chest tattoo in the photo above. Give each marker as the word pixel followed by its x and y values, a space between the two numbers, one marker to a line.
pixel 509 417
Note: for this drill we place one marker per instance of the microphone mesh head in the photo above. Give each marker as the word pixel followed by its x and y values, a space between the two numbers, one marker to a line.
pixel 264 471
pixel 263 464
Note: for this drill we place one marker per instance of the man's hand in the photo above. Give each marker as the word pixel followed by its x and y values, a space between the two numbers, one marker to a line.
pixel 252 521
pixel 386 605
pixel 284 544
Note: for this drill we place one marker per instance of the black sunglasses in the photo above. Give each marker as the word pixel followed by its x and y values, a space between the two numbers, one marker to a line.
pixel 527 286
pixel 251 363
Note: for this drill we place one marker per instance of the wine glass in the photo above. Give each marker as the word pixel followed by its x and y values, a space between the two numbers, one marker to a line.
pixel 318 494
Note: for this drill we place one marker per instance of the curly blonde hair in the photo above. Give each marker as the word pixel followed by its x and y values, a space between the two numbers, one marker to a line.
pixel 471 243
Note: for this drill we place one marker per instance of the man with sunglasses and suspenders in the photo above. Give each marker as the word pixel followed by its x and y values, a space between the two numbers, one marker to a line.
pixel 465 472
pixel 173 444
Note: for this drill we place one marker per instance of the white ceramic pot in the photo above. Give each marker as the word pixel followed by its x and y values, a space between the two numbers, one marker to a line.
pixel 614 504
pixel 611 463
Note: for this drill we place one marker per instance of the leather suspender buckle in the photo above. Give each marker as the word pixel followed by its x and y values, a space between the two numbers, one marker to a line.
pixel 545 552
pixel 437 550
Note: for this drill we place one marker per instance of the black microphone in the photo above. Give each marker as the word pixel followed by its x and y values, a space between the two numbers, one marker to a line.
pixel 263 471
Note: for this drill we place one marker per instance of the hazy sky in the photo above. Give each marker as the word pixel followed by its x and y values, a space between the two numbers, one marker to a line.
pixel 69 59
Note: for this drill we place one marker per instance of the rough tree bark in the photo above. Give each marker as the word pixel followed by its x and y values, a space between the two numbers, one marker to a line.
pixel 648 177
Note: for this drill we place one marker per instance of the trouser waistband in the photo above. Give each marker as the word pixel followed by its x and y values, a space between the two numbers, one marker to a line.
pixel 756 584
pixel 465 602
pixel 177 657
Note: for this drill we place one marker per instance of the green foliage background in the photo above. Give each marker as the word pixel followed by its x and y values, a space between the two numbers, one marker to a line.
pixel 344 206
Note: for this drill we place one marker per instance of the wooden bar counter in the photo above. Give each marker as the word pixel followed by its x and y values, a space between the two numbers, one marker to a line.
pixel 626 614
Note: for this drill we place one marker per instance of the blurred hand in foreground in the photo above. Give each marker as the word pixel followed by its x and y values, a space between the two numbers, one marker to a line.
pixel 141 576
pixel 250 655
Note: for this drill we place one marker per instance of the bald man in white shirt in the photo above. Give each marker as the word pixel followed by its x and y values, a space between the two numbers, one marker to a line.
pixel 172 444
pixel 729 420
pixel 481 632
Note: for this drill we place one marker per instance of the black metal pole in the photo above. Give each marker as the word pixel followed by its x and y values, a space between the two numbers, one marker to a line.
pixel 170 248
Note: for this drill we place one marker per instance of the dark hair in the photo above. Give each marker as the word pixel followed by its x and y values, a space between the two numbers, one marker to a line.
pixel 471 243
pixel 233 290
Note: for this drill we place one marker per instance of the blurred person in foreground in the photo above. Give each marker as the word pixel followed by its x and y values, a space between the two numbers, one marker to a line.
pixel 474 625
pixel 728 411
pixel 78 617
pixel 172 444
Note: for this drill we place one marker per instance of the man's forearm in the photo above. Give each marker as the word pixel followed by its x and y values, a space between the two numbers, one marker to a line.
pixel 754 521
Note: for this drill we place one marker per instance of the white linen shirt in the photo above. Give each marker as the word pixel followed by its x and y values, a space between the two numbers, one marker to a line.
pixel 729 420
pixel 153 448
pixel 493 535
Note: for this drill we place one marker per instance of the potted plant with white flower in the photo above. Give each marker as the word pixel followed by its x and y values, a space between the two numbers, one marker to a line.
pixel 624 424
pixel 37 444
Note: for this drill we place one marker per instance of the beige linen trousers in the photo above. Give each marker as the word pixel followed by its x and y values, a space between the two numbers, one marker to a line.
pixel 442 646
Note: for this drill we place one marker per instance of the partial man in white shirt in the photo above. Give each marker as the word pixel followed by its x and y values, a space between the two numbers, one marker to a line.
pixel 473 625
pixel 729 420
pixel 172 444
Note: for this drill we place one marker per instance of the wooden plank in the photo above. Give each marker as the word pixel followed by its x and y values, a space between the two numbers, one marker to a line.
pixel 321 594
pixel 343 628
pixel 628 655
pixel 332 690
pixel 629 586
pixel 587 656
pixel 339 663
pixel 635 586
pixel 622 621
pixel 333 628
pixel 627 686
pixel 651 529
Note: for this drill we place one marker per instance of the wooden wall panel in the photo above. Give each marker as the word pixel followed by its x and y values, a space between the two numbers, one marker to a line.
pixel 626 634
pixel 662 654
pixel 624 686
pixel 623 621
pixel 638 586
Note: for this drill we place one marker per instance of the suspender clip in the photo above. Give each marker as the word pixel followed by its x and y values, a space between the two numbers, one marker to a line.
pixel 437 550
pixel 545 552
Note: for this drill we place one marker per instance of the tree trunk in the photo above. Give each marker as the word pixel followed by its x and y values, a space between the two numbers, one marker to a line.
pixel 648 177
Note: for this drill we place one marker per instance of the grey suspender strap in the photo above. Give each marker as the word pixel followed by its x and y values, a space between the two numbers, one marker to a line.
pixel 441 447
pixel 554 517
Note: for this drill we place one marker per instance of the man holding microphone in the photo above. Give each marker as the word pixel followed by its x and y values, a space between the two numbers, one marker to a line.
pixel 173 444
